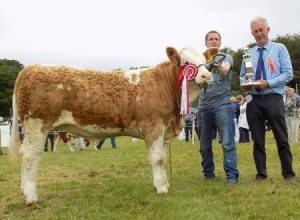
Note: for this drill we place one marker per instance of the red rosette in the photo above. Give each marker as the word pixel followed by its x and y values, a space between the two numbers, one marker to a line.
pixel 189 70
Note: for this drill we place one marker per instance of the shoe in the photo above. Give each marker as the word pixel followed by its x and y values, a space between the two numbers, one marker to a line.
pixel 291 180
pixel 231 182
pixel 208 177
pixel 260 178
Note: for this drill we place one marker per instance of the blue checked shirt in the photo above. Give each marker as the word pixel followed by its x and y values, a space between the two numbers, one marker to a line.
pixel 278 56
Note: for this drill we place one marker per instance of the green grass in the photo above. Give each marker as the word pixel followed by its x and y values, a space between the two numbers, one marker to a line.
pixel 117 184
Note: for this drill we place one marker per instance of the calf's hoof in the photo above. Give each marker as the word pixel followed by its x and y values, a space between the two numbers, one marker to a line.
pixel 162 190
pixel 32 202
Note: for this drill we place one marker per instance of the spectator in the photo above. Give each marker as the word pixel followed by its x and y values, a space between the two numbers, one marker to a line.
pixel 50 136
pixel 243 123
pixel 189 120
pixel 292 114
pixel 235 109
pixel 21 131
pixel 101 142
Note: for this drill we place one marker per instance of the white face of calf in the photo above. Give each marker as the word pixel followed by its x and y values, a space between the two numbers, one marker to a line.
pixel 190 55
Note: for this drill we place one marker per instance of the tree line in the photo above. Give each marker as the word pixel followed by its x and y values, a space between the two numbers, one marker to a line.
pixel 9 70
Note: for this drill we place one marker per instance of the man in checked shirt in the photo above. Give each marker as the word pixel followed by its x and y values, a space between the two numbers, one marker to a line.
pixel 273 69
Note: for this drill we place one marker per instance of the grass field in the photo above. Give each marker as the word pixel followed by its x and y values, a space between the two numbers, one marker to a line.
pixel 117 184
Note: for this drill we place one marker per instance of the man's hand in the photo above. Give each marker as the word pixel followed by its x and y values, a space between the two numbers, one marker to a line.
pixel 223 67
pixel 262 84
pixel 217 64
pixel 259 84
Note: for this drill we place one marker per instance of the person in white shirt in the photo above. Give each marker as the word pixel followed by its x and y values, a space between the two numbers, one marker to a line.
pixel 242 122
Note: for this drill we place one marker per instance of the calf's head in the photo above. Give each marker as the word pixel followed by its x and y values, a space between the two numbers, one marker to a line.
pixel 193 56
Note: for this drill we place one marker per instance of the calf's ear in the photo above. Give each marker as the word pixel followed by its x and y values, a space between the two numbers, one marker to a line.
pixel 173 55
pixel 210 52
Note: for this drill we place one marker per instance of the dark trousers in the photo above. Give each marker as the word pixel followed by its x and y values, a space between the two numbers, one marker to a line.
pixel 21 136
pixel 101 142
pixel 188 132
pixel 244 135
pixel 269 107
pixel 51 138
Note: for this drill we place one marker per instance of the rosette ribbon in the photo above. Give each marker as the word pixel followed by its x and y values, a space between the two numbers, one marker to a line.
pixel 186 73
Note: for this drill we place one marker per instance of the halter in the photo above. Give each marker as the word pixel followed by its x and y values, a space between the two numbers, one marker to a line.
pixel 189 72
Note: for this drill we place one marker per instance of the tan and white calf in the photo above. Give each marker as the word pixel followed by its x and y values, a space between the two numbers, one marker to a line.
pixel 143 104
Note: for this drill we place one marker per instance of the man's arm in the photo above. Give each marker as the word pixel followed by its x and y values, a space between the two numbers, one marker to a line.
pixel 222 67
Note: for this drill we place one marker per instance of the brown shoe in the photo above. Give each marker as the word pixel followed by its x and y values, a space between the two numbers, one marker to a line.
pixel 260 178
pixel 291 180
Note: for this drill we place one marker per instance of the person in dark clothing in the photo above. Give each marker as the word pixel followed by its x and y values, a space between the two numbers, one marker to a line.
pixel 101 142
pixel 51 137
pixel 189 119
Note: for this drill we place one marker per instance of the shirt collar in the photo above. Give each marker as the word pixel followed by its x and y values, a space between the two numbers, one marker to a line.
pixel 266 46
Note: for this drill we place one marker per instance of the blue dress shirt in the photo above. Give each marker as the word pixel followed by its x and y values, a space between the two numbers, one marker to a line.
pixel 277 64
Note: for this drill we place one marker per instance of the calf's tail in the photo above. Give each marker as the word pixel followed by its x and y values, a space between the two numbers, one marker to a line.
pixel 15 142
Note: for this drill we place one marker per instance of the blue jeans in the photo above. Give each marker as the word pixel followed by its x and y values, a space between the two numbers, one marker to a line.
pixel 221 117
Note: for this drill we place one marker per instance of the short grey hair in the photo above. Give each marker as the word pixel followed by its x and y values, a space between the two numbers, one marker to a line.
pixel 259 18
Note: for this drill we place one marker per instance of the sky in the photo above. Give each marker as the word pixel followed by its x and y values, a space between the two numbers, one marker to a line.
pixel 112 34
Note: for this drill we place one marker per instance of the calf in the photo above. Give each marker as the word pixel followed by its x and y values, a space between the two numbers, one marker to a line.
pixel 144 104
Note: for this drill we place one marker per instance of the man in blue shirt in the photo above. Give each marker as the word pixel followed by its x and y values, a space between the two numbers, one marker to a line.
pixel 214 109
pixel 273 69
